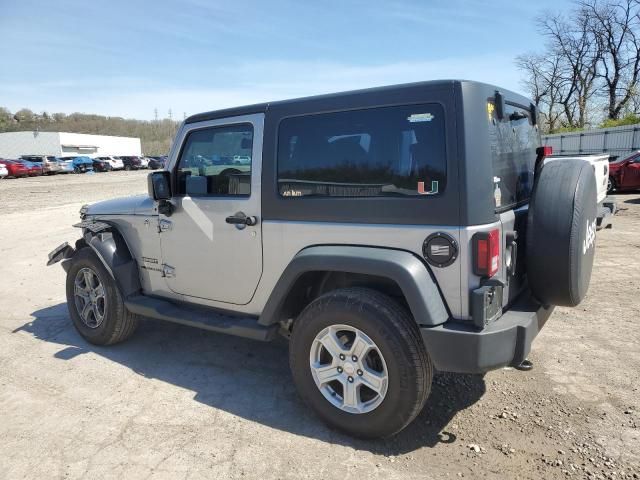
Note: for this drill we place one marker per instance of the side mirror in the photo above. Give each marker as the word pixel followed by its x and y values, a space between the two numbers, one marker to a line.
pixel 159 185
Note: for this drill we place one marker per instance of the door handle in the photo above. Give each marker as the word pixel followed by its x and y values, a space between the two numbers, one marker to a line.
pixel 241 219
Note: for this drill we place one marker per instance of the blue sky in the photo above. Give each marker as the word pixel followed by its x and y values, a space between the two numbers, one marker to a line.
pixel 125 58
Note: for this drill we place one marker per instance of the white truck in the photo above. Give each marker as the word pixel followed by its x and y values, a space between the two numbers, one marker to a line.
pixel 600 164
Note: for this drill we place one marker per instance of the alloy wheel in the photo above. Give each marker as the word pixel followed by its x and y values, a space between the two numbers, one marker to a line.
pixel 348 368
pixel 90 299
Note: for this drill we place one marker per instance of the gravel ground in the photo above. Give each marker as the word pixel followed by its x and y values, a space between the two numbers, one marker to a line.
pixel 175 402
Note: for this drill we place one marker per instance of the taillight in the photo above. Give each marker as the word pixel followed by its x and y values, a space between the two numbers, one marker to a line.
pixel 545 151
pixel 486 253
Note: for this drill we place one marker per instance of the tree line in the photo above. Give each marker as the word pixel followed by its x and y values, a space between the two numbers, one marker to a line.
pixel 588 73
pixel 155 135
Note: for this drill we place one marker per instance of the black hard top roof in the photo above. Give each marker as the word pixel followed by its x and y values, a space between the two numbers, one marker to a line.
pixel 263 107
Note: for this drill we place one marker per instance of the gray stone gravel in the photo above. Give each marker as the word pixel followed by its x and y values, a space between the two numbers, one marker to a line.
pixel 179 403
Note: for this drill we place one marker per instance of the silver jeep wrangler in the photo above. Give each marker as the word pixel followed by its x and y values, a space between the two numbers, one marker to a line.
pixel 387 233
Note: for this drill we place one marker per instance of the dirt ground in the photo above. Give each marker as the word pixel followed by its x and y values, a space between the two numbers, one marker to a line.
pixel 175 402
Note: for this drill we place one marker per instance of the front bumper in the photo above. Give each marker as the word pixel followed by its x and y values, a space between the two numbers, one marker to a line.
pixel 462 348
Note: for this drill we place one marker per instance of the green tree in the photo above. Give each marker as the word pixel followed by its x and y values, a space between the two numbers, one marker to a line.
pixel 24 116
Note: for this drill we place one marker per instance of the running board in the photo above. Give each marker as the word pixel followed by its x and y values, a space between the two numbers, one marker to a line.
pixel 199 317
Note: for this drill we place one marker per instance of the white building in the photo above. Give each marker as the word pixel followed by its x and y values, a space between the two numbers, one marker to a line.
pixel 60 144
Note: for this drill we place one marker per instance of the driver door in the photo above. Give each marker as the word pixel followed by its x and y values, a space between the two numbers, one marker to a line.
pixel 216 181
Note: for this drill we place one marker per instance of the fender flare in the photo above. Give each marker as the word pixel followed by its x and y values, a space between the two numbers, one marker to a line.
pixel 412 276
pixel 114 253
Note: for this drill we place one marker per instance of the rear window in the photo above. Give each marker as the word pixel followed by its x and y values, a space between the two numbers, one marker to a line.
pixel 391 151
pixel 513 142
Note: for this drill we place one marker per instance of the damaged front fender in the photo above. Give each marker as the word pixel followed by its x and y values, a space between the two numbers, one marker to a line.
pixel 110 248
pixel 63 252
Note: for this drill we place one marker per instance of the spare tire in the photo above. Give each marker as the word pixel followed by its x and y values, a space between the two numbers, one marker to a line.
pixel 561 231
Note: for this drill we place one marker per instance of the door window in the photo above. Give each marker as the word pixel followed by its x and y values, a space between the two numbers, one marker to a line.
pixel 216 161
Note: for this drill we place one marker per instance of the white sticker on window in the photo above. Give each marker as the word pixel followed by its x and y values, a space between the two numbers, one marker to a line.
pixel 420 117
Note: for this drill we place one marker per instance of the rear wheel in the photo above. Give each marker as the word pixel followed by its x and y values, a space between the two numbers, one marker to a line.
pixel 611 185
pixel 358 360
pixel 95 304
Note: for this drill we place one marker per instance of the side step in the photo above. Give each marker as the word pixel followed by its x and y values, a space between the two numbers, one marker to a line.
pixel 199 317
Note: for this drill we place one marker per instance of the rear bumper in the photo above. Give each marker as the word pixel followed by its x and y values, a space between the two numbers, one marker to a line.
pixel 458 347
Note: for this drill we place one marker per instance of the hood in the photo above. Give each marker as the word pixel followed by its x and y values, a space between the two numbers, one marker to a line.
pixel 135 205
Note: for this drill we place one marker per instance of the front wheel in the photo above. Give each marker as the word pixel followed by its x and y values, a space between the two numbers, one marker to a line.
pixel 94 301
pixel 358 360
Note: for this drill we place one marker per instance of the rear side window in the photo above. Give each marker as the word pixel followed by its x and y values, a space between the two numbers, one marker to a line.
pixel 513 142
pixel 216 161
pixel 390 151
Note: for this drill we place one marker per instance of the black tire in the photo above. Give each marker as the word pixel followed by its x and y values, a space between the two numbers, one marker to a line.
pixel 611 185
pixel 127 167
pixel 398 338
pixel 118 324
pixel 561 232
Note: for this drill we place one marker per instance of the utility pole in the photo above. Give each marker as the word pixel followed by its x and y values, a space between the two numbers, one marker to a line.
pixel 170 115
pixel 155 114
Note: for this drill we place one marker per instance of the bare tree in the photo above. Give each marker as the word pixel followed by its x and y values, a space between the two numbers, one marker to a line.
pixel 573 41
pixel 545 83
pixel 615 24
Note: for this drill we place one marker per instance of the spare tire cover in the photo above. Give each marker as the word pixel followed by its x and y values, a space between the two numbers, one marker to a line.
pixel 561 231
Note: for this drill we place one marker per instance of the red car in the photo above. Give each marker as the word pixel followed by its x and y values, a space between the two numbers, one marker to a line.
pixel 33 168
pixel 16 169
pixel 625 174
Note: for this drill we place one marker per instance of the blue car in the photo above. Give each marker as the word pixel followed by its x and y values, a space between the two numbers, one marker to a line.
pixel 81 164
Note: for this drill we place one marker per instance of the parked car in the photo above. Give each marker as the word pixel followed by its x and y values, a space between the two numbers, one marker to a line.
pixel 15 168
pixel 66 164
pixel 82 164
pixel 115 162
pixel 35 169
pixel 374 238
pixel 49 163
pixel 100 165
pixel 131 162
pixel 3 171
pixel 241 160
pixel 624 174
pixel 155 163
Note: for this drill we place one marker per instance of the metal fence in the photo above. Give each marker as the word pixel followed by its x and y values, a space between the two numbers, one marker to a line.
pixel 615 141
